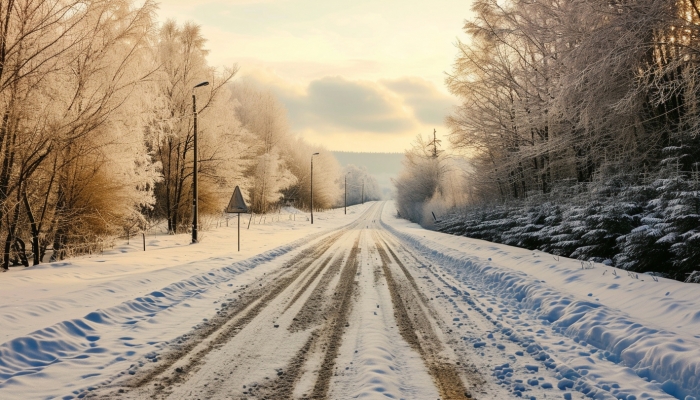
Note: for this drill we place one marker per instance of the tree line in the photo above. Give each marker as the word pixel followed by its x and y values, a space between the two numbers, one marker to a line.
pixel 567 100
pixel 96 129
pixel 575 91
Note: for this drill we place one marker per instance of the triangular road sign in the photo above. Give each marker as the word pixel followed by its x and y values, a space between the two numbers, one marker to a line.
pixel 237 204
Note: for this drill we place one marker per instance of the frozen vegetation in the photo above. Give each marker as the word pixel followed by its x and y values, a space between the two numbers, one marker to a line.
pixel 97 138
pixel 580 130
pixel 649 227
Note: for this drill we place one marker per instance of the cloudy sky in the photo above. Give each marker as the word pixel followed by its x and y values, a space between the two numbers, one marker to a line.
pixel 355 75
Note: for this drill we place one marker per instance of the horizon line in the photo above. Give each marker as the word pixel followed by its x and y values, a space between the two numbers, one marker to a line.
pixel 367 152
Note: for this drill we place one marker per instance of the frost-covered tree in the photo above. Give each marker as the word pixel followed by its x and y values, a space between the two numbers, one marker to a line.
pixel 555 91
pixel 267 137
pixel 68 71
pixel 582 99
pixel 96 128
pixel 360 185
pixel 106 173
pixel 429 176
pixel 327 176
pixel 280 162
pixel 182 65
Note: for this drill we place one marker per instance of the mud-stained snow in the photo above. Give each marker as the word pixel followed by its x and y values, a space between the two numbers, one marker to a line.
pixel 363 305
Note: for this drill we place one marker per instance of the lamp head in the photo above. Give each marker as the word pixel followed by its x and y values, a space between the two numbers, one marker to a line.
pixel 315 154
pixel 205 83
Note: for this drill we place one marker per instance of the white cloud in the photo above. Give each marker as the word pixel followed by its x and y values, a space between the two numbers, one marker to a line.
pixel 429 104
pixel 361 75
pixel 358 115
pixel 400 38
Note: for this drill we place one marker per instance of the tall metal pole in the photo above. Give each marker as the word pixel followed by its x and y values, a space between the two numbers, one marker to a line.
pixel 312 190
pixel 195 216
pixel 312 187
pixel 239 231
pixel 194 176
pixel 346 193
pixel 363 191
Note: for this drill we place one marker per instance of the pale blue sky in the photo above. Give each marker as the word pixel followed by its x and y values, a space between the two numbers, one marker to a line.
pixel 360 75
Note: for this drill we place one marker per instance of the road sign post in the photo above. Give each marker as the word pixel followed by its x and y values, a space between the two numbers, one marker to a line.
pixel 237 206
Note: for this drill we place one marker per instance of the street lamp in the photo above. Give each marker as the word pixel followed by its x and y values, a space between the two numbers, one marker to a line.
pixel 346 192
pixel 312 187
pixel 363 191
pixel 194 176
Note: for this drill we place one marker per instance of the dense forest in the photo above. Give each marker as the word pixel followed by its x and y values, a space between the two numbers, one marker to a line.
pixel 580 122
pixel 96 130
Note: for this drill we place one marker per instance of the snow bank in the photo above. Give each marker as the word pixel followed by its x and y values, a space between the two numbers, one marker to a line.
pixel 80 339
pixel 651 327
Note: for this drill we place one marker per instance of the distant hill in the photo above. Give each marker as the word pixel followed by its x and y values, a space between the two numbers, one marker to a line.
pixel 383 166
pixel 376 163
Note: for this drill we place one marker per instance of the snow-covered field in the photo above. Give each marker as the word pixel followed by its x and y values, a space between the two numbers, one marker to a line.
pixel 362 305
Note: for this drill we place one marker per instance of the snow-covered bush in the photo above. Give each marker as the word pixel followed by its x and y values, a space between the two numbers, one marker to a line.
pixel 693 277
pixel 652 227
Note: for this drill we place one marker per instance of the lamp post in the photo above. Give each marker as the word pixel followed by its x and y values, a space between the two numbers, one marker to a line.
pixel 363 191
pixel 346 192
pixel 194 175
pixel 312 187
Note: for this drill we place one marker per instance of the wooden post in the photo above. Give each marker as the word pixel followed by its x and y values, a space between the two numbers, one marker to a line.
pixel 144 241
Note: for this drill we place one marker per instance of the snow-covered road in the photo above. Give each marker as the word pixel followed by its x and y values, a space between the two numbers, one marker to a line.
pixel 362 305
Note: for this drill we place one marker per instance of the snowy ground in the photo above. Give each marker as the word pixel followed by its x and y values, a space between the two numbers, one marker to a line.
pixel 362 305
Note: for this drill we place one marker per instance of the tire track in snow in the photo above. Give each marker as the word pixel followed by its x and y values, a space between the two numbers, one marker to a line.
pixel 190 354
pixel 308 282
pixel 240 358
pixel 183 362
pixel 324 340
pixel 507 321
pixel 337 322
pixel 417 330
pixel 374 359
pixel 316 306
pixel 312 296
